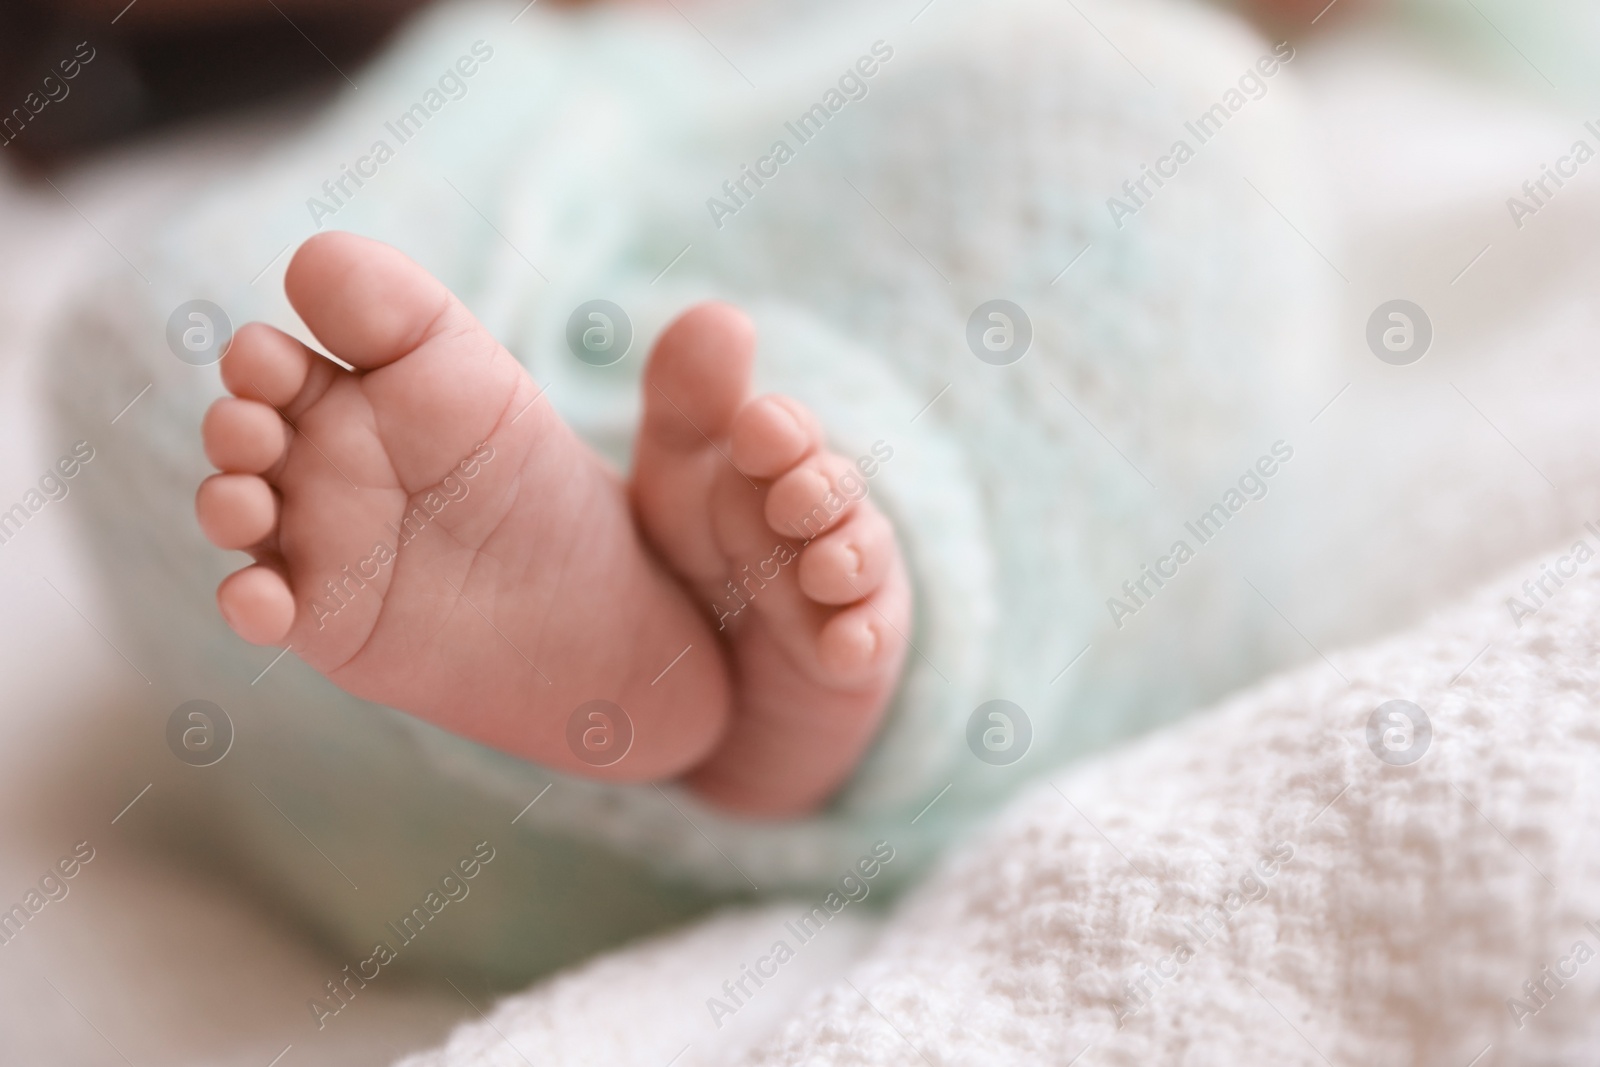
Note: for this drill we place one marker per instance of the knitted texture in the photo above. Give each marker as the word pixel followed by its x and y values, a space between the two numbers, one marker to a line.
pixel 1253 885
pixel 1168 347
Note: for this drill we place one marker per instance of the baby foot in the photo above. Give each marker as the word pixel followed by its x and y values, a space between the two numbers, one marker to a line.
pixel 431 536
pixel 775 536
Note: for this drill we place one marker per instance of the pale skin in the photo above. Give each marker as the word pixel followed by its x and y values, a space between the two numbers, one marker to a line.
pixel 536 578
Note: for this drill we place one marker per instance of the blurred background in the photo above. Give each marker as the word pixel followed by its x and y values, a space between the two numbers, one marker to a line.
pixel 1430 114
pixel 156 61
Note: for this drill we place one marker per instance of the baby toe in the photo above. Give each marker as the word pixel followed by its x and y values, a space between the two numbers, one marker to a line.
pixel 852 645
pixel 236 510
pixel 257 604
pixel 851 562
pixel 813 497
pixel 698 376
pixel 866 642
pixel 771 434
pixel 243 436
pixel 370 304
pixel 266 364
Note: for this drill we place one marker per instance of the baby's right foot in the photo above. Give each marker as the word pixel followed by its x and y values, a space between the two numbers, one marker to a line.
pixel 775 535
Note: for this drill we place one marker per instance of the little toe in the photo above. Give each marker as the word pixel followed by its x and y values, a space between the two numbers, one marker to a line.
pixel 266 364
pixel 236 510
pixel 813 497
pixel 850 642
pixel 243 436
pixel 257 604
pixel 863 643
pixel 851 562
pixel 773 433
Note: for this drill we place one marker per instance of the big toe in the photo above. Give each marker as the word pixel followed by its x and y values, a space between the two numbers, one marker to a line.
pixel 367 301
pixel 698 375
pixel 437 382
pixel 696 380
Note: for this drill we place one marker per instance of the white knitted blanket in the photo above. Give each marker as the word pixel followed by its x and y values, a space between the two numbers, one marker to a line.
pixel 1253 886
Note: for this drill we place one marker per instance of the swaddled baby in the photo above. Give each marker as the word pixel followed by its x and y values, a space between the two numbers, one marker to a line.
pixel 918 334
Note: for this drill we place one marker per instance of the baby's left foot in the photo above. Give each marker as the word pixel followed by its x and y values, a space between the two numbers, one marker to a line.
pixel 430 535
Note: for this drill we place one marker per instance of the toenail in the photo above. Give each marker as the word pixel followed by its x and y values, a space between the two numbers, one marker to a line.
pixel 856 561
pixel 872 643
